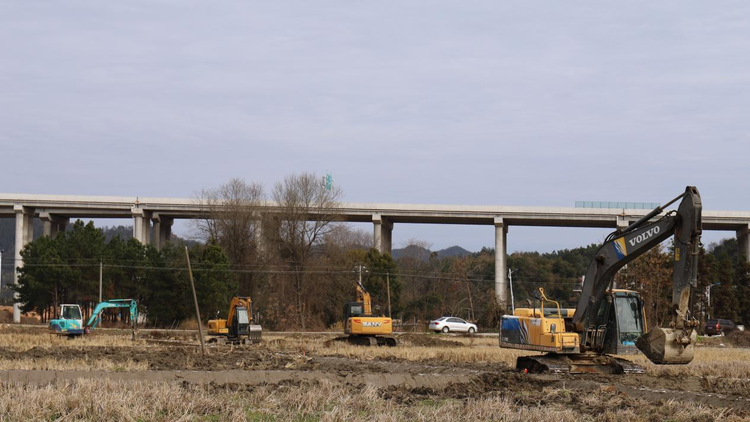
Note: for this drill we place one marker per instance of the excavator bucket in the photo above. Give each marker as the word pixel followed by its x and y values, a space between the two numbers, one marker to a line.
pixel 254 333
pixel 668 346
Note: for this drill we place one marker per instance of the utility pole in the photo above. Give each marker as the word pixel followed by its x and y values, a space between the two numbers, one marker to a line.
pixel 512 300
pixel 1 269
pixel 388 287
pixel 471 300
pixel 101 267
pixel 195 299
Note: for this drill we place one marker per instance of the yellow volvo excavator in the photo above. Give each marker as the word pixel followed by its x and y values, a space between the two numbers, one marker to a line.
pixel 364 328
pixel 238 327
pixel 609 321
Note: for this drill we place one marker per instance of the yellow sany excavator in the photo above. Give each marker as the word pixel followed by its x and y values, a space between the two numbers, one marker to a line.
pixel 238 327
pixel 608 321
pixel 364 328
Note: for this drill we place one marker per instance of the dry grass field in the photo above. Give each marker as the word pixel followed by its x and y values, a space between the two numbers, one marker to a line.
pixel 163 377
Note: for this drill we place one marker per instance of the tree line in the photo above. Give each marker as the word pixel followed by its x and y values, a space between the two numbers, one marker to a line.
pixel 66 269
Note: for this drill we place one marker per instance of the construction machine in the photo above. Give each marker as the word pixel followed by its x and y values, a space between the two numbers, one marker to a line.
pixel 609 321
pixel 238 327
pixel 70 322
pixel 364 328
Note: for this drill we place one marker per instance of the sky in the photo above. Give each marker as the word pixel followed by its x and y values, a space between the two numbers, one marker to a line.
pixel 440 102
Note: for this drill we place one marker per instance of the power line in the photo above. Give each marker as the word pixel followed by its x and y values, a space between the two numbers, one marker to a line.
pixel 317 271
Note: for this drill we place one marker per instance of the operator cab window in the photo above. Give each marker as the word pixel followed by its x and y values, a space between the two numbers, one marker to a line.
pixel 356 310
pixel 71 312
pixel 242 316
pixel 629 319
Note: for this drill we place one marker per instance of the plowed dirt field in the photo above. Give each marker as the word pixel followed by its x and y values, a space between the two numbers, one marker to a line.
pixel 442 374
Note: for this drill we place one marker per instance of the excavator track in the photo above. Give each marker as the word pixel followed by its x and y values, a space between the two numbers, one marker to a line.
pixel 368 340
pixel 254 336
pixel 577 364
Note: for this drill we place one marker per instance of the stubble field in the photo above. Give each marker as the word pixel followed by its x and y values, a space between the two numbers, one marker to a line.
pixel 163 376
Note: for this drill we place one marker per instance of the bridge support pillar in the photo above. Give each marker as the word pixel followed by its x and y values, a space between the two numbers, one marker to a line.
pixel 162 230
pixel 501 266
pixel 383 234
pixel 141 225
pixel 53 224
pixel 743 242
pixel 24 235
pixel 622 223
pixel 260 244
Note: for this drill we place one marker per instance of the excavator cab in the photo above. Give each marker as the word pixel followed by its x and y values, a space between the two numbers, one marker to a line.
pixel 240 323
pixel 70 321
pixel 619 323
pixel 352 309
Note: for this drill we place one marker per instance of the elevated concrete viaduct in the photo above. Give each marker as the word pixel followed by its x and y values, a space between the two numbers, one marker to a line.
pixel 153 219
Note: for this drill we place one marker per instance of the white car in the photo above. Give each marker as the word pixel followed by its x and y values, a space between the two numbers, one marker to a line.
pixel 448 324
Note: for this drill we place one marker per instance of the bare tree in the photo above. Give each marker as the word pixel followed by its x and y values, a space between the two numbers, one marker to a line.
pixel 306 213
pixel 232 221
pixel 413 263
pixel 345 237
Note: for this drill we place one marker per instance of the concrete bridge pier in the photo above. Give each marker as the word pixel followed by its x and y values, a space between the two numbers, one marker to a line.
pixel 24 235
pixel 383 234
pixel 53 224
pixel 743 242
pixel 141 225
pixel 162 230
pixel 258 234
pixel 501 266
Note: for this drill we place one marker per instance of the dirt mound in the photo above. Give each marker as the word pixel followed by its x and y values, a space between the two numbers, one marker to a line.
pixel 739 338
pixel 162 335
pixel 482 385
pixel 427 340
pixel 6 316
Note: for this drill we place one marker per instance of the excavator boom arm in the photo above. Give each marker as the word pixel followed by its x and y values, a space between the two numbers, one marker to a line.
pixel 673 345
pixel 364 296
pixel 114 303
pixel 636 240
pixel 612 256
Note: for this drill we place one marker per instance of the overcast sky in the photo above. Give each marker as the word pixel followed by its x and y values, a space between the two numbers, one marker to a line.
pixel 444 102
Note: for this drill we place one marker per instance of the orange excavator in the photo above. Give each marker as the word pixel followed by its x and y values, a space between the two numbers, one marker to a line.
pixel 238 327
pixel 364 328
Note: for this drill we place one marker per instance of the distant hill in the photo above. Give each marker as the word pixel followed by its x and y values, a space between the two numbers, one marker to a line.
pixel 453 251
pixel 8 237
pixel 422 254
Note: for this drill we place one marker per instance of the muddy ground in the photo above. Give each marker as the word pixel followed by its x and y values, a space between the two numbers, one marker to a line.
pixel 282 363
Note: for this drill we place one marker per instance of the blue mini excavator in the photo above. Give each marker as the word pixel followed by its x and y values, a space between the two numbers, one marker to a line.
pixel 70 322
